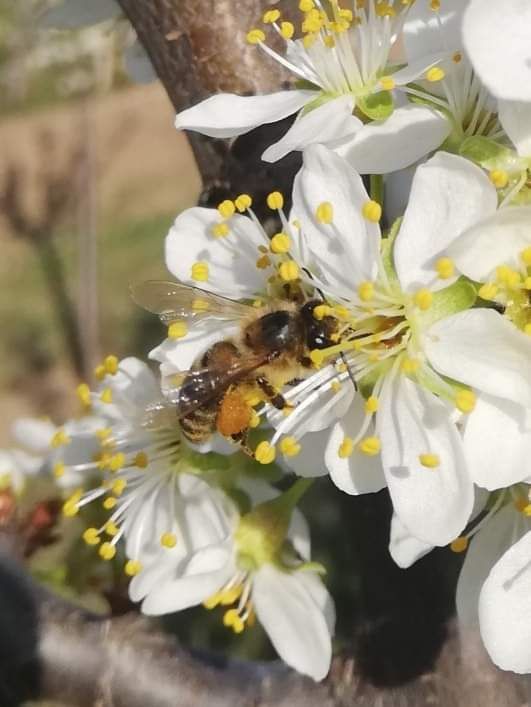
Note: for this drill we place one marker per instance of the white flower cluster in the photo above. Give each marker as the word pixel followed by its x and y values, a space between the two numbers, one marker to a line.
pixel 390 355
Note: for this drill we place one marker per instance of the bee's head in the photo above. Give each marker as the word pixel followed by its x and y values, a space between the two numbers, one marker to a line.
pixel 318 332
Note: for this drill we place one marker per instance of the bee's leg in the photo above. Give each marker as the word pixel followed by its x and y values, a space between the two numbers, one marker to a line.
pixel 275 398
pixel 242 440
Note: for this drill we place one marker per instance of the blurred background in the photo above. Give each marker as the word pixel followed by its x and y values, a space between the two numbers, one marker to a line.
pixel 92 172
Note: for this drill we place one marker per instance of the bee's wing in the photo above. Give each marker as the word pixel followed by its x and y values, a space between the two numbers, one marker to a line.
pixel 187 391
pixel 172 300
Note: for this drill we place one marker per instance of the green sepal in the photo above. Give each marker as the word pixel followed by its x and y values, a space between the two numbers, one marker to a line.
pixel 305 85
pixel 456 298
pixel 377 106
pixel 317 102
pixel 490 154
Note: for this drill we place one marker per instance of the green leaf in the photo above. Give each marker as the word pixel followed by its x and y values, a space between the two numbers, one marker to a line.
pixel 377 106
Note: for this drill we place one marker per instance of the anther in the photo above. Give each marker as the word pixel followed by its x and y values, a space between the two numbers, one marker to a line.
pixel 460 544
pixel 371 405
pixel 109 503
pixel 289 447
pixel 243 202
pixel 499 178
pixel 200 271
pixel 465 401
pixel 280 243
pixel 430 461
pixel 141 460
pixel 227 208
pixel 107 551
pixel 83 393
pixel 111 364
pixel 270 16
pixel 372 211
pixel 220 230
pixel 366 291
pixel 423 298
pixel 255 36
pixel 525 255
pixel 177 330
pixel 488 291
pixel 287 30
pixel 289 271
pixel 91 536
pixel 265 453
pixel 106 396
pixel 370 446
pixel 168 540
pixel 60 439
pixel 445 268
pixel 435 74
pixel 325 213
pixel 275 201
pixel 58 470
pixel 346 448
pixel 387 83
pixel 132 568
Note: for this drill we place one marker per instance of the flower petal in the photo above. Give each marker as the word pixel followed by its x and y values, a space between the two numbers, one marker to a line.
pixel 358 473
pixel 407 135
pixel 505 609
pixel 494 241
pixel 486 548
pixel 347 248
pixel 506 71
pixel 481 348
pixel 231 259
pixel 433 504
pixel 404 548
pixel 294 622
pixel 448 195
pixel 515 117
pixel 33 434
pixel 331 121
pixel 497 443
pixel 309 462
pixel 426 31
pixel 228 115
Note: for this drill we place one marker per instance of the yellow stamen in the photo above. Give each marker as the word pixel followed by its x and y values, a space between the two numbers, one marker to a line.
pixel 117 461
pixel 220 230
pixel 91 536
pixel 60 439
pixel 460 544
pixel 387 83
pixel 231 619
pixel 371 404
pixel 111 528
pixel 227 208
pixel 255 36
pixel 526 256
pixel 287 30
pixel 275 200
pixel 370 446
pixel 107 551
pixel 270 16
pixel 465 400
pixel 325 213
pixel 141 460
pixel 109 503
pixel 366 291
pixel 445 268
pixel 372 211
pixel 200 271
pixel 106 396
pixel 488 291
pixel 132 568
pixel 423 298
pixel 83 393
pixel 290 447
pixel 306 5
pixel 168 540
pixel 499 178
pixel 435 74
pixel 346 448
pixel 177 330
pixel 430 461
pixel 100 372
pixel 265 453
pixel 58 470
pixel 289 271
pixel 111 364
pixel 243 202
pixel 280 243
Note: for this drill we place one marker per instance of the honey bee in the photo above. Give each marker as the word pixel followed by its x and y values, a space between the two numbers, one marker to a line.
pixel 271 350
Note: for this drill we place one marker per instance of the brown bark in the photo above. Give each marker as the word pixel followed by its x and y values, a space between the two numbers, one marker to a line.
pixel 198 48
